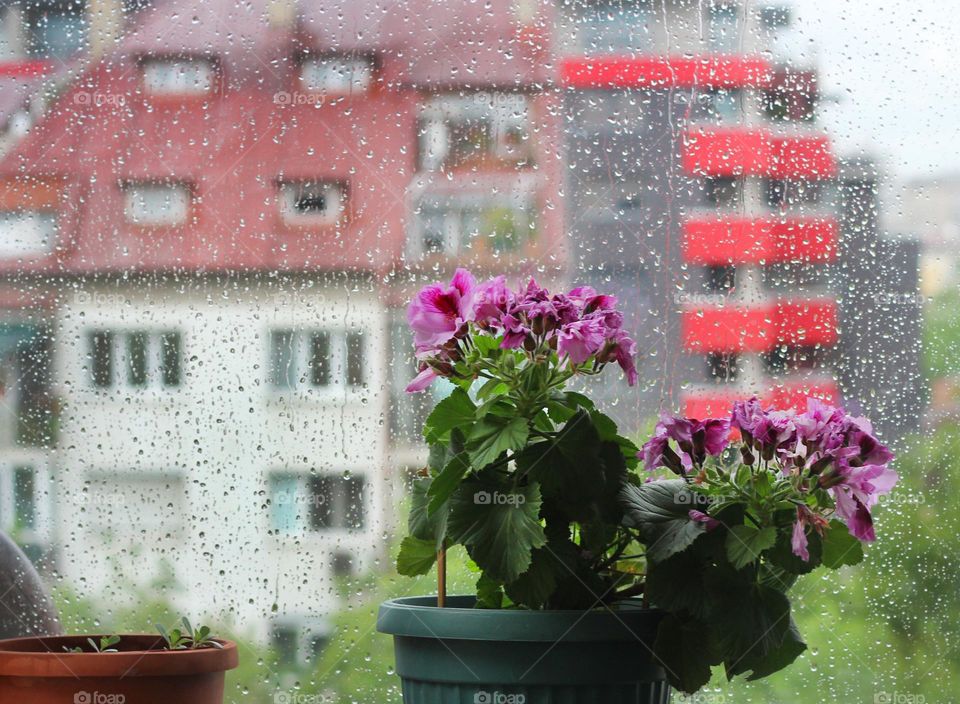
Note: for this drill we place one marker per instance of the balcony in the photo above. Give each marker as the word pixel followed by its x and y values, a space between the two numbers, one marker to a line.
pixel 732 240
pixel 759 328
pixel 744 152
pixel 714 403
pixel 612 72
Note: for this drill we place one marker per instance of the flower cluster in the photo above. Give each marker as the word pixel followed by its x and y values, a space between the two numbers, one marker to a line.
pixel 582 328
pixel 820 453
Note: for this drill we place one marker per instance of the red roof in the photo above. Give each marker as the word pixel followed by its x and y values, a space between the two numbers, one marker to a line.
pixel 231 147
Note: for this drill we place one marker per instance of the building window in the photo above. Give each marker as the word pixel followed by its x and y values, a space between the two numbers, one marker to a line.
pixel 720 278
pixel 723 191
pixel 312 202
pixel 178 76
pixel 56 29
pixel 135 359
pixel 787 359
pixel 156 204
pixel 721 107
pixel 27 233
pixel 614 26
pixel 723 27
pixel 338 75
pixel 311 503
pixel 722 366
pixel 781 193
pixel 451 225
pixel 459 131
pixel 318 359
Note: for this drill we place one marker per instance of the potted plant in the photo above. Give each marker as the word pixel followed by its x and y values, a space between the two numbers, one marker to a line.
pixel 183 665
pixel 601 580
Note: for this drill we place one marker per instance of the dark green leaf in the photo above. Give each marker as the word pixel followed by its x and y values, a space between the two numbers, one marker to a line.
pixel 677 583
pixel 839 547
pixel 416 556
pixel 747 619
pixel 499 527
pixel 494 435
pixel 455 411
pixel 422 524
pixel 745 543
pixel 782 555
pixel 489 593
pixel 661 511
pixel 550 563
pixel 679 649
pixel 775 660
pixel 446 482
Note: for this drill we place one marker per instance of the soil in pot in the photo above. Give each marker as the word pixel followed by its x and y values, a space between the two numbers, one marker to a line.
pixel 40 671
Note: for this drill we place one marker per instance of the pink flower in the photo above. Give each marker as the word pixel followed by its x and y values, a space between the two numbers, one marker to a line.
pixel 514 332
pixel 798 541
pixel 859 490
pixel 700 517
pixel 625 352
pixel 580 340
pixel 491 300
pixel 422 380
pixel 438 312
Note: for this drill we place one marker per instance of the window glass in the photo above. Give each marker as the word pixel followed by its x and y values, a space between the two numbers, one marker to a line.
pixel 215 214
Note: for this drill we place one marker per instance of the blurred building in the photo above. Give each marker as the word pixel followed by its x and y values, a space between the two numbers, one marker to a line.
pixel 704 193
pixel 211 233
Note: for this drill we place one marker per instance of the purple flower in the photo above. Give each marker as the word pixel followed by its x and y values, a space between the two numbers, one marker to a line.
pixel 860 435
pixel 438 311
pixel 514 332
pixel 859 489
pixel 798 541
pixel 422 380
pixel 581 340
pixel 701 517
pixel 694 438
pixel 491 300
pixel 588 300
pixel 715 433
pixel 625 353
pixel 746 415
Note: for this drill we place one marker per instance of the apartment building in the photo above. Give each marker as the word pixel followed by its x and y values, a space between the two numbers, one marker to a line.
pixel 212 233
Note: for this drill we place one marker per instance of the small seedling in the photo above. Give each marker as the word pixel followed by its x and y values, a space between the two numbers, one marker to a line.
pixel 104 646
pixel 186 638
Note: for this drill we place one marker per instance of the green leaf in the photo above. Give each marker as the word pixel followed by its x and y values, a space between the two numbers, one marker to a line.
pixel 679 648
pixel 493 387
pixel 782 555
pixel 839 547
pixel 489 593
pixel 661 511
pixel 455 411
pixel 775 660
pixel 494 435
pixel 747 620
pixel 500 526
pixel 677 583
pixel 446 482
pixel 550 564
pixel 416 556
pixel 441 453
pixel 421 523
pixel 745 543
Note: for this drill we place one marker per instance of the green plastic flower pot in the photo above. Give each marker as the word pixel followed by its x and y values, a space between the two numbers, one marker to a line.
pixel 463 655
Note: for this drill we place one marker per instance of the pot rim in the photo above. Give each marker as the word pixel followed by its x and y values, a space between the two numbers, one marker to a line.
pixel 420 617
pixel 44 656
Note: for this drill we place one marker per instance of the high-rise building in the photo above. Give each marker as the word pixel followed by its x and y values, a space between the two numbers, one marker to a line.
pixel 702 190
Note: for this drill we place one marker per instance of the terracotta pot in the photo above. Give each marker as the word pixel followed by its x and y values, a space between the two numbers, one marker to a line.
pixel 38 670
